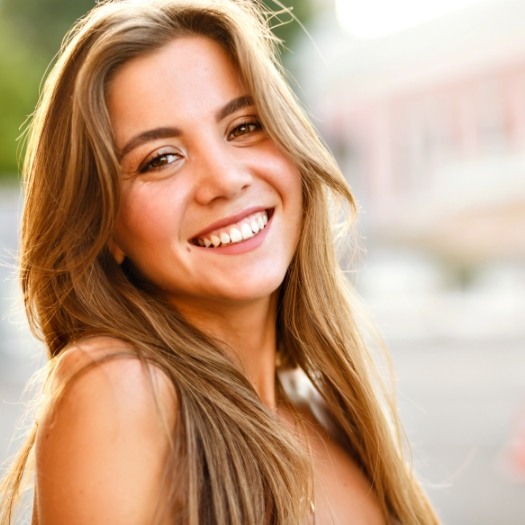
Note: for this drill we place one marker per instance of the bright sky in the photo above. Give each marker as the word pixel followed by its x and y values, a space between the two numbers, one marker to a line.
pixel 378 18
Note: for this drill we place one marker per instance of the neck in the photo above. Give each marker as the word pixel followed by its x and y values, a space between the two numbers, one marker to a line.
pixel 248 331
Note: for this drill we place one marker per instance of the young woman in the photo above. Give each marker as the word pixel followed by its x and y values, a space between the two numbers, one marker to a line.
pixel 177 259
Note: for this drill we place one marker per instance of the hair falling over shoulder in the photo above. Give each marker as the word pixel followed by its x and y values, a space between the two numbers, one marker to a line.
pixel 225 439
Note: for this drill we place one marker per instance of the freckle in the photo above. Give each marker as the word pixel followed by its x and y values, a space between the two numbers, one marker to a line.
pixel 188 249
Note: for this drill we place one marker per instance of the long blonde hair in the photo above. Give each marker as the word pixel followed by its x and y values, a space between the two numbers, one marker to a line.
pixel 232 462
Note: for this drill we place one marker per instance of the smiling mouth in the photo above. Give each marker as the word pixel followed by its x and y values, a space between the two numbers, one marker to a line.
pixel 241 231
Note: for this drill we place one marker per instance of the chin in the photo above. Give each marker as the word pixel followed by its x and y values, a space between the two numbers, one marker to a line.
pixel 254 291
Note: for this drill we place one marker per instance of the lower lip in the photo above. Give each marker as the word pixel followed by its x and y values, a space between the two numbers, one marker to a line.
pixel 244 246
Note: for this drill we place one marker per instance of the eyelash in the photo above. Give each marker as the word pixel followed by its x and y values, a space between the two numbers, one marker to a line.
pixel 160 161
pixel 156 162
pixel 250 123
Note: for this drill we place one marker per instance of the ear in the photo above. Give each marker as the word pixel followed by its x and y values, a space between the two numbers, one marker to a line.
pixel 116 251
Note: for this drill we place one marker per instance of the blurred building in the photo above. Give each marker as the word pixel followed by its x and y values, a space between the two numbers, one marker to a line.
pixel 429 127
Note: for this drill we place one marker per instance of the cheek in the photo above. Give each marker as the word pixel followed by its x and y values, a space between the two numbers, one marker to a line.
pixel 292 188
pixel 296 189
pixel 286 176
pixel 135 218
pixel 144 217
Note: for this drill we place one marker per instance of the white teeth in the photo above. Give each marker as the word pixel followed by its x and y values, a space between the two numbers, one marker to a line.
pixel 242 231
pixel 235 235
pixel 246 231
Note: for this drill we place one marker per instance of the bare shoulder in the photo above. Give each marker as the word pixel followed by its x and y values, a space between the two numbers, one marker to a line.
pixel 103 372
pixel 102 443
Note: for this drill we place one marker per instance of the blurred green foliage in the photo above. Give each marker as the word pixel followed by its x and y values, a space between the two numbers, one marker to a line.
pixel 19 79
pixel 287 25
pixel 42 23
pixel 30 36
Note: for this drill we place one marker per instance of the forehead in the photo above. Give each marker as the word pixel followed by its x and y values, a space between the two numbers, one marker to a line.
pixel 181 60
pixel 184 79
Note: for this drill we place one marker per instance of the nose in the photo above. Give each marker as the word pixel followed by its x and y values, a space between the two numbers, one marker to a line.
pixel 221 173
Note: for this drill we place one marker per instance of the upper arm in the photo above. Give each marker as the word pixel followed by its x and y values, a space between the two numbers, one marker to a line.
pixel 101 449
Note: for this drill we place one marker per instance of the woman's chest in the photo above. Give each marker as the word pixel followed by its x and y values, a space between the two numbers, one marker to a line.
pixel 342 493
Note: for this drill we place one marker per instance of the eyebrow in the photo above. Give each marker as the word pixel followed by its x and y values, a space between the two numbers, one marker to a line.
pixel 148 136
pixel 170 132
pixel 234 105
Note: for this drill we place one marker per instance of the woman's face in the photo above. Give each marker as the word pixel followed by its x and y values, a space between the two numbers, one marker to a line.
pixel 211 208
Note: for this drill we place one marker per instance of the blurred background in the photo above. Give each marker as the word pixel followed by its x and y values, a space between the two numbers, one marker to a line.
pixel 423 104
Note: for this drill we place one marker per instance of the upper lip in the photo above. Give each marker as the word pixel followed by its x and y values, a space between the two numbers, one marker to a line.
pixel 227 221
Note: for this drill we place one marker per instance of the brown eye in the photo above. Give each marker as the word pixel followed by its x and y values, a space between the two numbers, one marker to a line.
pixel 245 128
pixel 159 162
